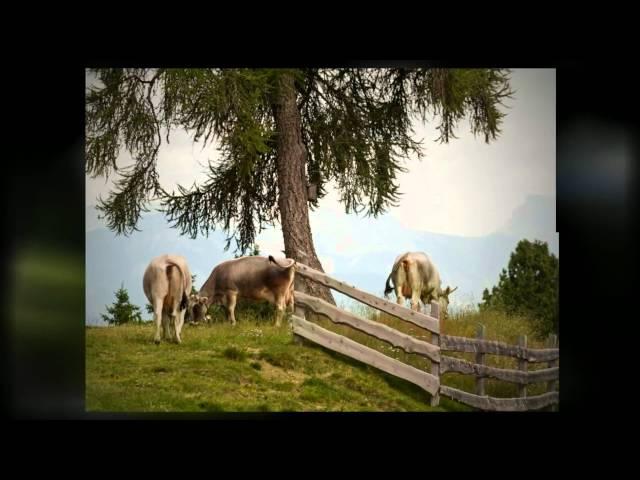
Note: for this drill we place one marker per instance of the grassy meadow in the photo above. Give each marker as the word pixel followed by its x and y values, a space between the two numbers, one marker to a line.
pixel 257 367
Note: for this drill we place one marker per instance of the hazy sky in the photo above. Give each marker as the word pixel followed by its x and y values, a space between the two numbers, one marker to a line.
pixel 465 188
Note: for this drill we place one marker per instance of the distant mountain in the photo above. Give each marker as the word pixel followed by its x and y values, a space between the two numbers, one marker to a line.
pixel 535 218
pixel 361 251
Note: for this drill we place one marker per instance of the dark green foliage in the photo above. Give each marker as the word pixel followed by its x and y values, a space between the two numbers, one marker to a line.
pixel 356 125
pixel 255 251
pixel 529 286
pixel 122 311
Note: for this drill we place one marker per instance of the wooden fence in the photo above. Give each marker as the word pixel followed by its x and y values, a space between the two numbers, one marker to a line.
pixel 432 350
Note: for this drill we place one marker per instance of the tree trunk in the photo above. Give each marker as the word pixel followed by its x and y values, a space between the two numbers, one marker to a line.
pixel 292 186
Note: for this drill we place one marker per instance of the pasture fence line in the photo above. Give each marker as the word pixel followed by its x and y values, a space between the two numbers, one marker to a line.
pixel 432 350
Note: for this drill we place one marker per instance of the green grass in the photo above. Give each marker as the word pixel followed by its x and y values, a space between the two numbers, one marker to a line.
pixel 498 326
pixel 256 367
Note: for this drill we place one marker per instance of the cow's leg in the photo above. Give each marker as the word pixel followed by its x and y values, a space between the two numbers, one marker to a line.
pixel 399 297
pixel 280 306
pixel 231 298
pixel 166 326
pixel 170 331
pixel 180 320
pixel 175 320
pixel 183 313
pixel 174 323
pixel 157 317
pixel 415 301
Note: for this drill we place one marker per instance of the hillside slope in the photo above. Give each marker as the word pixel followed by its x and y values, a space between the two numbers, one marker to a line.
pixel 252 367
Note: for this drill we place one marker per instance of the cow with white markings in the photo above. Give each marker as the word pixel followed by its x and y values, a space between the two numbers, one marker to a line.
pixel 166 283
pixel 415 276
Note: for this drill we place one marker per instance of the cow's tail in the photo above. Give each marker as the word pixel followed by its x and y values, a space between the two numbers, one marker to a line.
pixel 271 259
pixel 388 288
pixel 405 265
pixel 184 301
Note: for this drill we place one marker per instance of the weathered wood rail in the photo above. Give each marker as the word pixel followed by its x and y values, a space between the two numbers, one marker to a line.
pixel 476 345
pixel 406 314
pixel 376 329
pixel 433 350
pixel 367 355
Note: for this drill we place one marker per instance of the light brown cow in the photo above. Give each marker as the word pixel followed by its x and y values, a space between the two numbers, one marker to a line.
pixel 255 278
pixel 415 276
pixel 166 282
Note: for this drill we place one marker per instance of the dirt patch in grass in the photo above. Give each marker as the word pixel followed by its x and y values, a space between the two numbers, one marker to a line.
pixel 278 374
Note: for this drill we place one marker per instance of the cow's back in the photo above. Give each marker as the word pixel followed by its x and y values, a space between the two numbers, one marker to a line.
pixel 246 275
pixel 415 270
pixel 427 268
pixel 159 280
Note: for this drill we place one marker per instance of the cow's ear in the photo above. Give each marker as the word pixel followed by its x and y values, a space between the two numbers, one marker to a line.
pixel 205 299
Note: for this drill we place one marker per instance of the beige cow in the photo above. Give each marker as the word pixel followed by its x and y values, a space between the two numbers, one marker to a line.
pixel 415 276
pixel 166 282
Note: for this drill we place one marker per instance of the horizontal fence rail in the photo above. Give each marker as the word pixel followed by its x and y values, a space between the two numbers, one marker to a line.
pixel 500 404
pixel 475 345
pixel 440 364
pixel 375 329
pixel 417 318
pixel 350 348
pixel 450 364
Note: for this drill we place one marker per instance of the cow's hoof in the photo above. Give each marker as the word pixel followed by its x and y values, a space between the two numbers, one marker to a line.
pixel 157 342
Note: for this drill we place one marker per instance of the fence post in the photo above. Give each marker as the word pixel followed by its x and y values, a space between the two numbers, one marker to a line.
pixel 552 342
pixel 522 365
pixel 480 334
pixel 435 340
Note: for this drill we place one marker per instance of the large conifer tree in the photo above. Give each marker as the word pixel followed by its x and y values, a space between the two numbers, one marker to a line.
pixel 279 131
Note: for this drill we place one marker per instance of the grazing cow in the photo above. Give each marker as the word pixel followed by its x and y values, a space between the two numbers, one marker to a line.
pixel 166 282
pixel 255 278
pixel 197 308
pixel 415 276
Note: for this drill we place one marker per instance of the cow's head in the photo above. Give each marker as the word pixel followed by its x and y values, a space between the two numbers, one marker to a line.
pixel 443 300
pixel 198 306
